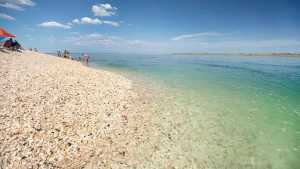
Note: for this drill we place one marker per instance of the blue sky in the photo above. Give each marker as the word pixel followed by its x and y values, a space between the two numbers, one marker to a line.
pixel 156 26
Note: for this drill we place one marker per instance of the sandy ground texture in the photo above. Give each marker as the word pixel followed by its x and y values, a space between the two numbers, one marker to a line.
pixel 57 113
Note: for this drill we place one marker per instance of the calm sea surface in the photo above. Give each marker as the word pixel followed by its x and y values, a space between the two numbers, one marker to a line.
pixel 249 106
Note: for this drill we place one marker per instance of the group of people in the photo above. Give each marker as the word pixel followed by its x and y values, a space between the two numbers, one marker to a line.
pixel 66 54
pixel 34 49
pixel 12 45
pixel 15 45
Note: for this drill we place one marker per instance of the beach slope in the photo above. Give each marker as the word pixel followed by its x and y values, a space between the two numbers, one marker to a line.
pixel 57 113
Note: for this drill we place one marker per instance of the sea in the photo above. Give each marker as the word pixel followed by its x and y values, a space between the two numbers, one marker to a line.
pixel 221 111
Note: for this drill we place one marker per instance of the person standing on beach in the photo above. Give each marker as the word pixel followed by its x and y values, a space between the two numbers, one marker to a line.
pixel 66 54
pixel 86 58
pixel 59 53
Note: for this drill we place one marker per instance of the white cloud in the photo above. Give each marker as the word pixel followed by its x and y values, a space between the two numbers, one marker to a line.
pixel 21 2
pixel 53 24
pixel 7 17
pixel 195 35
pixel 112 23
pixel 16 4
pixel 96 21
pixel 87 20
pixel 12 6
pixel 100 10
pixel 76 21
pixel 104 10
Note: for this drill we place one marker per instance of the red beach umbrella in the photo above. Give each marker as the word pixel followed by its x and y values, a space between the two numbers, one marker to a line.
pixel 3 33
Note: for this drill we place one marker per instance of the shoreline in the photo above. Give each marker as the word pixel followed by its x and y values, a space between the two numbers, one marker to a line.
pixel 57 112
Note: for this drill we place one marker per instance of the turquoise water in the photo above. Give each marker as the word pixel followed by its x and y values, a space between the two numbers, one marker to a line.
pixel 245 109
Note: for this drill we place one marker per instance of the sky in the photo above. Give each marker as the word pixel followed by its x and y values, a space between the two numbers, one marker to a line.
pixel 154 26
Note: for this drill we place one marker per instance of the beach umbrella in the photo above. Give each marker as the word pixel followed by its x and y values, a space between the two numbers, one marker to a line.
pixel 3 33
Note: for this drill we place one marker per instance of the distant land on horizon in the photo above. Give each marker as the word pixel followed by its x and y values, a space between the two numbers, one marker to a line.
pixel 243 54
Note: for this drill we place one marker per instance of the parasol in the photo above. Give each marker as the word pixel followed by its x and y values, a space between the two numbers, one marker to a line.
pixel 3 33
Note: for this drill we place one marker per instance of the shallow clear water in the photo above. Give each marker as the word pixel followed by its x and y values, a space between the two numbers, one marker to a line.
pixel 254 103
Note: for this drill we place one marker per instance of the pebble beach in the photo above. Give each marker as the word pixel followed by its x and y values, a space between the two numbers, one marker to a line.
pixel 58 113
